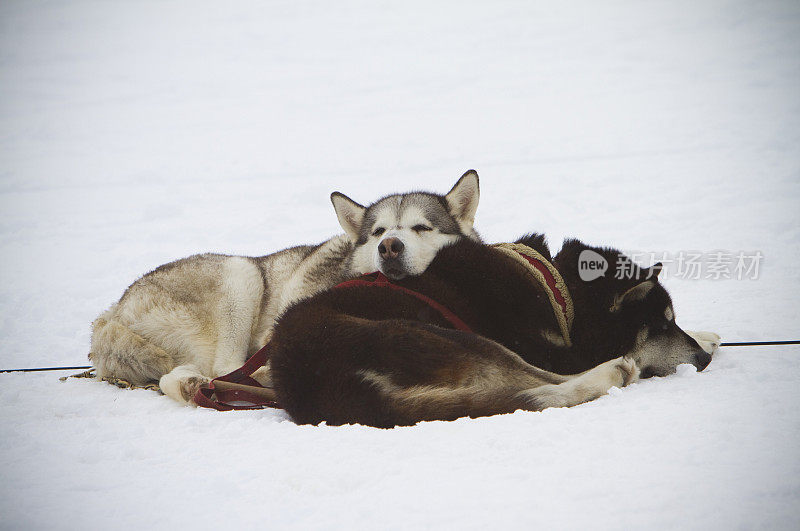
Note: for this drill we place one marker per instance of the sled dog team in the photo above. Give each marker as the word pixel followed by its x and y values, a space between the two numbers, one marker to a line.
pixel 532 333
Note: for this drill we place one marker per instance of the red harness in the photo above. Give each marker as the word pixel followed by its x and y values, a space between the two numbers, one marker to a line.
pixel 218 395
pixel 552 283
pixel 214 396
pixel 379 280
pixel 238 390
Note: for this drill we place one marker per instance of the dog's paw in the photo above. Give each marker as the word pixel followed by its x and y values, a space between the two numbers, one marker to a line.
pixel 623 371
pixel 708 341
pixel 587 386
pixel 630 370
pixel 182 385
pixel 190 386
pixel 618 372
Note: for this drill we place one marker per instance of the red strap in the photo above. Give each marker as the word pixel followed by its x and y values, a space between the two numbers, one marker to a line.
pixel 380 281
pixel 228 399
pixel 550 279
pixel 223 399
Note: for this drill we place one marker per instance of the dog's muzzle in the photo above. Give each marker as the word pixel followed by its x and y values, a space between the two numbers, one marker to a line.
pixel 391 253
pixel 391 248
pixel 702 359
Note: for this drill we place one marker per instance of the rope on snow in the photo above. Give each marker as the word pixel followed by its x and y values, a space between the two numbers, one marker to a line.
pixel 123 382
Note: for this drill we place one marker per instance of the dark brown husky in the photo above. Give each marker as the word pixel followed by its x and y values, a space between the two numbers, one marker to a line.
pixel 384 357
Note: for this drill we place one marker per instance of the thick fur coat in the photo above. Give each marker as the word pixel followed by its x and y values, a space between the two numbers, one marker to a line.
pixel 381 357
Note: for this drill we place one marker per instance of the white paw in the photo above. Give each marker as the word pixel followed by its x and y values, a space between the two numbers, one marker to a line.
pixel 708 341
pixel 181 386
pixel 621 371
pixel 587 386
pixel 171 386
pixel 618 372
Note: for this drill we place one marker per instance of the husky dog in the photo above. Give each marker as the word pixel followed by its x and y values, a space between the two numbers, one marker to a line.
pixel 194 319
pixel 630 314
pixel 385 357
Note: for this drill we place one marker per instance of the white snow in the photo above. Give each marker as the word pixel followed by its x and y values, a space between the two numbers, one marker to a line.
pixel 137 133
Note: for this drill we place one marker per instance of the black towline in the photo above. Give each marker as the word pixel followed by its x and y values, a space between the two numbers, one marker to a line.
pixel 759 343
pixel 39 369
pixel 732 344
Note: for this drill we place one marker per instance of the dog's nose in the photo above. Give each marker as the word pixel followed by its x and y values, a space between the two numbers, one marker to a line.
pixel 703 358
pixel 390 248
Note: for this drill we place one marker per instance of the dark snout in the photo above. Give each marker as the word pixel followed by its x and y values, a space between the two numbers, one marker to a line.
pixel 390 248
pixel 702 359
pixel 392 260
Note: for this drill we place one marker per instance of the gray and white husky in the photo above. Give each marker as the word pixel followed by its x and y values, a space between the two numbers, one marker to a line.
pixel 200 317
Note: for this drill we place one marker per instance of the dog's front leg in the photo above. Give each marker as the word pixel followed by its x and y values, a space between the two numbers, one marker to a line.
pixel 237 314
pixel 584 387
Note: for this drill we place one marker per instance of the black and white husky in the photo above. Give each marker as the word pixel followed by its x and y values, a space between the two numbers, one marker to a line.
pixel 200 317
pixel 376 353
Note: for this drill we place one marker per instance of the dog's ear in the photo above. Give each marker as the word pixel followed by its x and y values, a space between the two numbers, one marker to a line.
pixel 636 293
pixel 462 200
pixel 350 214
pixel 654 270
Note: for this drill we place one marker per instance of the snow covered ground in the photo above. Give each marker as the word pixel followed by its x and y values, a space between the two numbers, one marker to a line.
pixel 137 133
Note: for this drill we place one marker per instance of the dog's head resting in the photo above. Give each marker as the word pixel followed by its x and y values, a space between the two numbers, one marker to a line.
pixel 400 234
pixel 660 344
pixel 634 307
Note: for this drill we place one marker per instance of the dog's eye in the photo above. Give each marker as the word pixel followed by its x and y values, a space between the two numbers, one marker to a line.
pixel 378 232
pixel 421 228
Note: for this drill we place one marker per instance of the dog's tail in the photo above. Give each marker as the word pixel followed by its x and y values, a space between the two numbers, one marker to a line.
pixel 117 351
